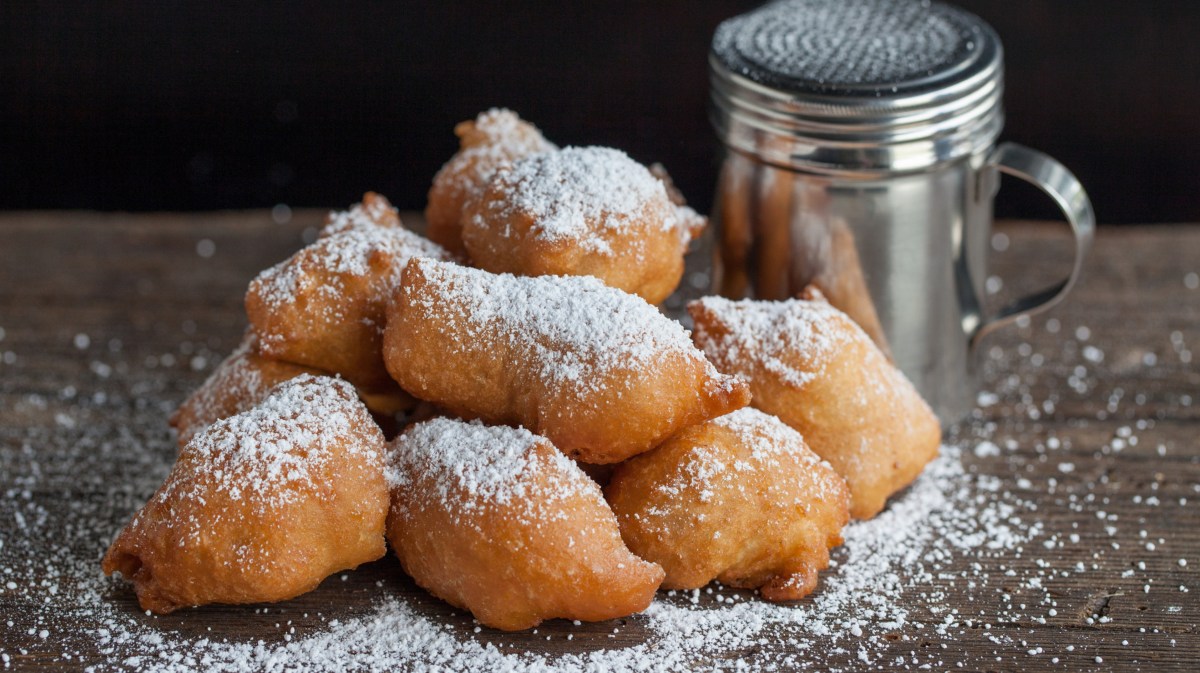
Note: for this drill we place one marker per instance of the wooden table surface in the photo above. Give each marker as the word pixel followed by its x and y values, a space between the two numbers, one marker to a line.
pixel 1090 415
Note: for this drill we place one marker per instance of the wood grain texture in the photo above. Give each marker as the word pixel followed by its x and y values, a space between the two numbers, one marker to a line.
pixel 157 317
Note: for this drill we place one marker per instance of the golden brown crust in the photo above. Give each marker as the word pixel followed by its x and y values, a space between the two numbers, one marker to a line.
pixel 244 378
pixel 241 381
pixel 586 211
pixel 263 505
pixel 561 356
pixel 740 499
pixel 324 307
pixel 373 211
pixel 496 521
pixel 493 139
pixel 814 368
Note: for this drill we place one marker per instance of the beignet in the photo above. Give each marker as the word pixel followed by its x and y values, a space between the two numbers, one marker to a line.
pixel 600 373
pixel 262 505
pixel 497 521
pixel 740 499
pixel 493 139
pixel 580 211
pixel 241 381
pixel 813 367
pixel 324 307
pixel 373 211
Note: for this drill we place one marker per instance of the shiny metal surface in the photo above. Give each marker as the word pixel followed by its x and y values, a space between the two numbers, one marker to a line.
pixel 883 200
pixel 904 255
pixel 1061 185
pixel 842 128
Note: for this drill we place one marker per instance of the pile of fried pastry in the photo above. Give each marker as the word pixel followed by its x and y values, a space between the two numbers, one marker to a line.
pixel 559 448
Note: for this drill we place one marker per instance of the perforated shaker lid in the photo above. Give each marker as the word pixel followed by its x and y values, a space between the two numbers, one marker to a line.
pixel 908 82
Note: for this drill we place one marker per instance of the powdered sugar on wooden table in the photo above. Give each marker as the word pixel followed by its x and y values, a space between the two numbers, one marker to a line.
pixel 880 570
pixel 1000 557
pixel 957 529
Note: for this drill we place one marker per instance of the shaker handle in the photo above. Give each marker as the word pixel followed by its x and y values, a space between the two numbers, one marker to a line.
pixel 1043 172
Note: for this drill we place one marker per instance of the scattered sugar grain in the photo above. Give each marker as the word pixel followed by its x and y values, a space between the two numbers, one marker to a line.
pixel 951 526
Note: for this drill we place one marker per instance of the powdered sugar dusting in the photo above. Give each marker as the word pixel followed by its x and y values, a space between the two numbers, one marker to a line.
pixel 373 211
pixel 761 333
pixel 475 465
pixel 503 127
pixel 947 518
pixel 579 194
pixel 259 454
pixel 577 329
pixel 241 380
pixel 959 530
pixel 765 434
pixel 994 559
pixel 769 463
pixel 232 379
pixel 497 137
pixel 329 267
pixel 349 253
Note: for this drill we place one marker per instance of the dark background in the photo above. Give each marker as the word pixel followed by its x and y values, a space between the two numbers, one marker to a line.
pixel 192 106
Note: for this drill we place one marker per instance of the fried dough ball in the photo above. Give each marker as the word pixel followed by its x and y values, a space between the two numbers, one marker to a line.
pixel 244 378
pixel 324 307
pixel 241 381
pixel 262 505
pixel 815 368
pixel 599 372
pixel 494 139
pixel 497 521
pixel 740 499
pixel 374 211
pixel 580 211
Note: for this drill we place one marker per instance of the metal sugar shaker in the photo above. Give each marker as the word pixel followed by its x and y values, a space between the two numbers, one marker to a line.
pixel 861 156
